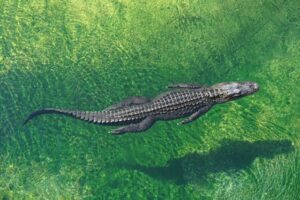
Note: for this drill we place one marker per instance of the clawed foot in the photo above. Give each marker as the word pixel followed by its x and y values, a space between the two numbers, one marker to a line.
pixel 117 131
pixel 182 122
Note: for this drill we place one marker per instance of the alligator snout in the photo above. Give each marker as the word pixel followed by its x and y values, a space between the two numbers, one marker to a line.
pixel 250 87
pixel 255 87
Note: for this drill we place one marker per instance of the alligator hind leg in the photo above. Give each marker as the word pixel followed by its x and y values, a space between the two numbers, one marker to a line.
pixel 128 102
pixel 138 127
pixel 186 86
pixel 195 115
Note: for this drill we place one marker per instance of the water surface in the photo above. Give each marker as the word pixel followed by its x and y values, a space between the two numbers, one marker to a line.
pixel 80 55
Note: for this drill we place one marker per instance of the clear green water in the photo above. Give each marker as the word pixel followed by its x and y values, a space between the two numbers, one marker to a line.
pixel 88 55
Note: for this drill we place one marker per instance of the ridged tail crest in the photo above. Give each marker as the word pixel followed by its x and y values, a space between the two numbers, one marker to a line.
pixel 95 117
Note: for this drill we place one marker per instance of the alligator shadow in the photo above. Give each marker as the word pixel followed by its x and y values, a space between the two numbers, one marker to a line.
pixel 231 156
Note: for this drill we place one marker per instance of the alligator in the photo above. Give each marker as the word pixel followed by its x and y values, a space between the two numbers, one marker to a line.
pixel 138 113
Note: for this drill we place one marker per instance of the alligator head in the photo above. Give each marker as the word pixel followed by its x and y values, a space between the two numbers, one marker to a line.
pixel 234 90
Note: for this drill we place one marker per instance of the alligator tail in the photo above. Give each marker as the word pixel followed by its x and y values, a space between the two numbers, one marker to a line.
pixel 94 117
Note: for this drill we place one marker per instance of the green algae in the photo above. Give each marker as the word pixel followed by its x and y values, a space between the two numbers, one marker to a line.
pixel 79 55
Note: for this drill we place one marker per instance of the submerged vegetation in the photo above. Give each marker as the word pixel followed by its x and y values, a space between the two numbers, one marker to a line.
pixel 80 55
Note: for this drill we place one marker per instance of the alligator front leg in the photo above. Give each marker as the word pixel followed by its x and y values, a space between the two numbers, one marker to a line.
pixel 195 115
pixel 186 86
pixel 128 102
pixel 138 127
